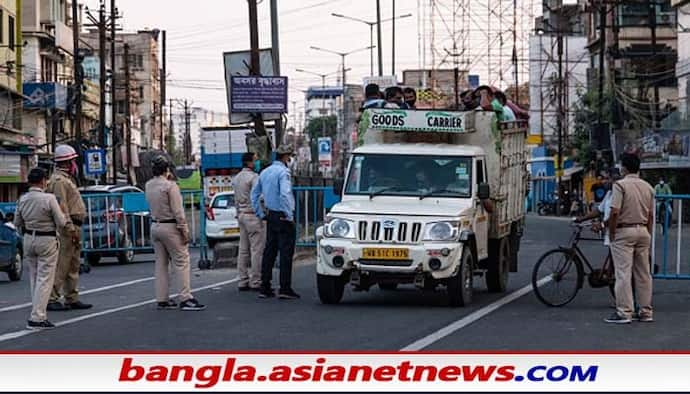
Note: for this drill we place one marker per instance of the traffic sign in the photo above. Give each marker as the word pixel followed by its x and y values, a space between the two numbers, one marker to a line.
pixel 325 150
pixel 95 162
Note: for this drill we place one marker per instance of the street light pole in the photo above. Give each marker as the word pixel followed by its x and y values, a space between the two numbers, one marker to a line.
pixel 378 34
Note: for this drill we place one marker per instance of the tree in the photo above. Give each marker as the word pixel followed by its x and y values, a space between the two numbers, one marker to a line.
pixel 316 126
pixel 588 111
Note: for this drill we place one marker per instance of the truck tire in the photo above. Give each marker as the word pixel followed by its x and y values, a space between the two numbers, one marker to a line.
pixel 330 288
pixel 460 286
pixel 514 249
pixel 498 265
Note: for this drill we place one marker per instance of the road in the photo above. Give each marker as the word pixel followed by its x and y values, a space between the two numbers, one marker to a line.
pixel 124 316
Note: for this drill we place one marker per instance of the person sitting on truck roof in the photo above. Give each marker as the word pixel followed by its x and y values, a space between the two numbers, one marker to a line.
pixel 395 98
pixel 508 114
pixel 489 102
pixel 468 101
pixel 373 97
pixel 410 97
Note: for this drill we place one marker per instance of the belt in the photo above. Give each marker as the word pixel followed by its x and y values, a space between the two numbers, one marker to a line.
pixel 40 233
pixel 628 225
pixel 166 221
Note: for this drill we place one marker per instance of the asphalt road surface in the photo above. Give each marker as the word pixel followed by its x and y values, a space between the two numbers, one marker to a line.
pixel 125 318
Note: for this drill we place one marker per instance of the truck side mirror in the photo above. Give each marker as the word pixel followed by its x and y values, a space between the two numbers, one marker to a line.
pixel 338 185
pixel 484 191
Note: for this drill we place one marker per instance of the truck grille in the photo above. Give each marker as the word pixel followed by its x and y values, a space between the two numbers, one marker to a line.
pixel 403 232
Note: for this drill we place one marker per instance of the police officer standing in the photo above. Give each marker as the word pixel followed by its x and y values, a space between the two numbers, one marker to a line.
pixel 276 188
pixel 170 237
pixel 252 229
pixel 630 228
pixel 38 218
pixel 63 185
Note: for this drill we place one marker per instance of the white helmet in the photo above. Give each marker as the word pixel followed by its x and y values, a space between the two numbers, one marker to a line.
pixel 64 153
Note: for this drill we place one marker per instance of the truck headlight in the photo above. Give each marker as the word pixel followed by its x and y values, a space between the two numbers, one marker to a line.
pixel 340 228
pixel 440 231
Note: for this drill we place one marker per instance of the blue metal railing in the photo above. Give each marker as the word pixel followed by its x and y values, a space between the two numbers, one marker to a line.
pixel 671 240
pixel 312 203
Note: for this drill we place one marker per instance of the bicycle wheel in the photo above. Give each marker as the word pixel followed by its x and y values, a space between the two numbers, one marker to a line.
pixel 565 273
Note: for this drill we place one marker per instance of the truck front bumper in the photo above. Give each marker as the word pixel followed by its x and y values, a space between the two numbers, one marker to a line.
pixel 439 260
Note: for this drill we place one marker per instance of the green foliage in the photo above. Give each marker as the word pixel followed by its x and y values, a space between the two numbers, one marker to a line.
pixel 315 127
pixel 587 113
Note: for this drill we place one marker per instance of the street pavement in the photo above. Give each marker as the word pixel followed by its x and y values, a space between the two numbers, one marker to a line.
pixel 125 318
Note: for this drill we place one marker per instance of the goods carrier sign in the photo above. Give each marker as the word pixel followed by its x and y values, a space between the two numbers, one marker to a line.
pixel 429 121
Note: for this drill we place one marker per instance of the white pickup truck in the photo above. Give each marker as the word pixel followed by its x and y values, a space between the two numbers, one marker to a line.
pixel 433 198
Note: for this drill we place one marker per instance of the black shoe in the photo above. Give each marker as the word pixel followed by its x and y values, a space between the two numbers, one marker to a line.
pixel 40 325
pixel 78 305
pixel 266 293
pixel 57 307
pixel 244 288
pixel 170 304
pixel 192 305
pixel 288 294
pixel 615 318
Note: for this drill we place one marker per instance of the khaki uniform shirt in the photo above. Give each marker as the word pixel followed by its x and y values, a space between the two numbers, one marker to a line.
pixel 165 201
pixel 634 198
pixel 63 186
pixel 39 211
pixel 242 184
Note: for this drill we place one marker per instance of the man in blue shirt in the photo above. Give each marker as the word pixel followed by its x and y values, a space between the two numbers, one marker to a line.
pixel 275 186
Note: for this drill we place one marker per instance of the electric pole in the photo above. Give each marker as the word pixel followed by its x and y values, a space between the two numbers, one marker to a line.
pixel 113 89
pixel 378 33
pixel 255 65
pixel 561 112
pixel 76 86
pixel 393 42
pixel 128 137
pixel 652 26
pixel 275 46
pixel 102 81
pixel 187 135
pixel 163 87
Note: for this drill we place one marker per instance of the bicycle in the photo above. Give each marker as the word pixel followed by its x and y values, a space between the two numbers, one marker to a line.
pixel 566 268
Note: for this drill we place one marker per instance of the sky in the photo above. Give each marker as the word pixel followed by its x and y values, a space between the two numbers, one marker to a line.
pixel 199 31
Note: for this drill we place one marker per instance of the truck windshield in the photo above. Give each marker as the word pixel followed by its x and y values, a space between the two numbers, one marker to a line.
pixel 410 175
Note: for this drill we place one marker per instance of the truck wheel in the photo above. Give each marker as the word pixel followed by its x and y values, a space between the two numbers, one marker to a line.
pixel 460 285
pixel 389 286
pixel 514 249
pixel 499 265
pixel 330 288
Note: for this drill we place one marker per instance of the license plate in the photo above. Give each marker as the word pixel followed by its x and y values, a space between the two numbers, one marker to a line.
pixel 231 231
pixel 385 254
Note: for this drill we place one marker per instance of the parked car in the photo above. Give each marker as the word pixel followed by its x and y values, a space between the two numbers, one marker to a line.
pixel 11 256
pixel 108 226
pixel 221 219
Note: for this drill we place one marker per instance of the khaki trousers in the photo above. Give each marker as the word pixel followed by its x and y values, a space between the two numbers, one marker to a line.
pixel 252 242
pixel 171 250
pixel 67 273
pixel 41 256
pixel 630 253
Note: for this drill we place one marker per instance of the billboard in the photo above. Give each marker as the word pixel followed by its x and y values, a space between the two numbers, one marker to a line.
pixel 259 94
pixel 237 65
pixel 384 81
pixel 45 95
pixel 658 149
pixel 325 146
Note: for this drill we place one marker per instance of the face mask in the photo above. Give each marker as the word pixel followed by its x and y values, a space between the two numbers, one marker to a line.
pixel 257 165
pixel 661 183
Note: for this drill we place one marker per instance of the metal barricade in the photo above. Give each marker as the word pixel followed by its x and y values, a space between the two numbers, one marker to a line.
pixel 668 241
pixel 119 223
pixel 312 203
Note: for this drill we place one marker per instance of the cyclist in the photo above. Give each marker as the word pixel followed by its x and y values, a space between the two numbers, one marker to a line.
pixel 663 189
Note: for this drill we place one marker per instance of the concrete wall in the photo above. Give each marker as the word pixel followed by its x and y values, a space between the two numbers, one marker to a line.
pixel 683 66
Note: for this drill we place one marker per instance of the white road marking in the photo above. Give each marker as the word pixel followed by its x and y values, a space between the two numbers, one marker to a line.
pixel 18 334
pixel 471 318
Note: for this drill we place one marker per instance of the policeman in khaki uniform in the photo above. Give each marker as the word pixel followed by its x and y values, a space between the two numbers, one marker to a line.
pixel 630 228
pixel 38 217
pixel 252 229
pixel 170 237
pixel 63 185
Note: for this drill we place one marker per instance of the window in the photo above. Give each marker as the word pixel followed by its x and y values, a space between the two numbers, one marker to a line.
pixel 10 32
pixel 141 93
pixel 480 171
pixel 2 26
pixel 224 201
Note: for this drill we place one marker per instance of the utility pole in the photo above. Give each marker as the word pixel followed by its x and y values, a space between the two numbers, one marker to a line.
pixel 378 32
pixel 559 117
pixel 393 42
pixel 515 56
pixel 163 92
pixel 255 65
pixel 602 53
pixel 187 136
pixel 76 86
pixel 113 88
pixel 275 46
pixel 102 81
pixel 128 125
pixel 652 26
